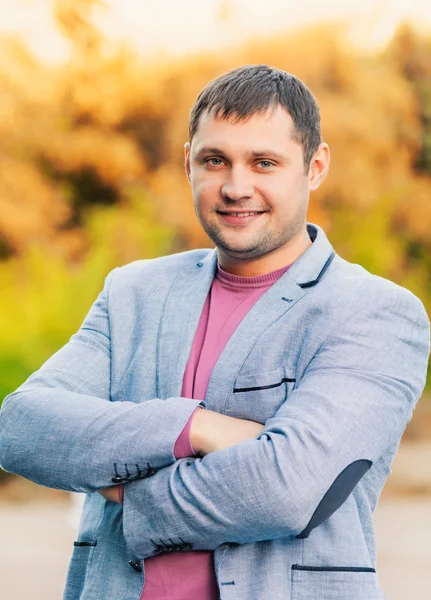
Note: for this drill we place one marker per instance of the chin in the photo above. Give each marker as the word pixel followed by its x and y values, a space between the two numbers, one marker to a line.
pixel 242 252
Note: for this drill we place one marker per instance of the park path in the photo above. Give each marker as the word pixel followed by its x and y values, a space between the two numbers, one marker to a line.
pixel 36 541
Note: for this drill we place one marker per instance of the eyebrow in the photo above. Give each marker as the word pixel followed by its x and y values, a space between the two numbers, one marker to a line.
pixel 208 150
pixel 254 154
pixel 268 154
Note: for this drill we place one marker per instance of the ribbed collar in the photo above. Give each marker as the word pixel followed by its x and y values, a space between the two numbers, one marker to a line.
pixel 236 281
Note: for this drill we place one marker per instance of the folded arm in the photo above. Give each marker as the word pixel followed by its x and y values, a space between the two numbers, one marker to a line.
pixel 61 430
pixel 353 401
pixel 206 431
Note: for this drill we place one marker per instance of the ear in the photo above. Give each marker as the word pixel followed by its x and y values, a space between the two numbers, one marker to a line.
pixel 187 160
pixel 319 167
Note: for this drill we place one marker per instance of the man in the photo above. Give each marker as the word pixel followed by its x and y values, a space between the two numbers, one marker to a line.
pixel 231 414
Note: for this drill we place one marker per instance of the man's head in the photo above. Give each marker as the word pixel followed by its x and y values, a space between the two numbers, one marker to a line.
pixel 255 146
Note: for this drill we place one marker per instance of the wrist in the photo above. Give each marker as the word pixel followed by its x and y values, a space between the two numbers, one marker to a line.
pixel 208 431
pixel 197 426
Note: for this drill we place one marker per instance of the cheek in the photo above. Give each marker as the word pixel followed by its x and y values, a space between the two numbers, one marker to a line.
pixel 276 193
pixel 285 193
pixel 206 192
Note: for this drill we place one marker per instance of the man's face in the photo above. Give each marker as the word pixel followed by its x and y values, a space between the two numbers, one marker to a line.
pixel 249 185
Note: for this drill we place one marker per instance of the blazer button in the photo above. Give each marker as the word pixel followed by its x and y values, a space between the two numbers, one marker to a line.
pixel 135 565
pixel 118 479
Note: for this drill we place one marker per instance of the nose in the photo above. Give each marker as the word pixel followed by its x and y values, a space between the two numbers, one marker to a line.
pixel 238 186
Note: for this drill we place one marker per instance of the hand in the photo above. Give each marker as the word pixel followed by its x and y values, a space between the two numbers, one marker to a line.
pixel 211 431
pixel 112 494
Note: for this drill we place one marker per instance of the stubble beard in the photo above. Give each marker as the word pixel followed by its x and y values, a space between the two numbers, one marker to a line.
pixel 263 242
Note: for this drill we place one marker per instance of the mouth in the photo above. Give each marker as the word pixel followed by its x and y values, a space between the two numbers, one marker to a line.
pixel 240 214
pixel 234 217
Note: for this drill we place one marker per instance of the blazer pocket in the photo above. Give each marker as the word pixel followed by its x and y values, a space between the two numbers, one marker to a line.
pixel 334 583
pixel 258 396
pixel 77 574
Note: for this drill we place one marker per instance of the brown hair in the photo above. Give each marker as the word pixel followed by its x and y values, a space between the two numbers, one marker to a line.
pixel 251 89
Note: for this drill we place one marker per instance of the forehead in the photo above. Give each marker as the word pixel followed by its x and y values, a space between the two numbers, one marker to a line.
pixel 271 129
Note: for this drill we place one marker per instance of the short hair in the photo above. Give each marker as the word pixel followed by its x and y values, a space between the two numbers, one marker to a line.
pixel 251 89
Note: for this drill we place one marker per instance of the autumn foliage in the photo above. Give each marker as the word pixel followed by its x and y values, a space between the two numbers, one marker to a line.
pixel 91 169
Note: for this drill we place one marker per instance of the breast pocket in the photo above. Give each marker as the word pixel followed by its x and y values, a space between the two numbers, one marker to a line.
pixel 335 583
pixel 257 397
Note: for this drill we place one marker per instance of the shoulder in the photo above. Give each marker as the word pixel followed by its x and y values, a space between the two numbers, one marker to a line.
pixel 376 325
pixel 351 284
pixel 375 312
pixel 163 270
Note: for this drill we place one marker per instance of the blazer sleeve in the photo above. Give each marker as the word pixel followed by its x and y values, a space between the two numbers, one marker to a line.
pixel 352 403
pixel 60 429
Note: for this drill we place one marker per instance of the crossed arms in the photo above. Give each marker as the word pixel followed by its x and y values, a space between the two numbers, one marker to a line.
pixel 210 431
pixel 352 402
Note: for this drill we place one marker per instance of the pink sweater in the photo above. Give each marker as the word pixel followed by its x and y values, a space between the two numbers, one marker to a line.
pixel 190 575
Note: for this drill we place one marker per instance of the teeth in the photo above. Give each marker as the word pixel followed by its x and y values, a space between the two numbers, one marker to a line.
pixel 248 214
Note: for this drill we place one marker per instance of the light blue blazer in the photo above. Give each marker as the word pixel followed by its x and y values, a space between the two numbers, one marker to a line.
pixel 331 359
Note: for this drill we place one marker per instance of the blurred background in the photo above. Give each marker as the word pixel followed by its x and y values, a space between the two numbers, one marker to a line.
pixel 94 103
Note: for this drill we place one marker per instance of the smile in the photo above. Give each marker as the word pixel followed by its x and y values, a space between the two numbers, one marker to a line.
pixel 240 219
pixel 241 214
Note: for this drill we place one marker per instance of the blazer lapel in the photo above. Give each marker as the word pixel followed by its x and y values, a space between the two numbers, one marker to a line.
pixel 298 281
pixel 180 319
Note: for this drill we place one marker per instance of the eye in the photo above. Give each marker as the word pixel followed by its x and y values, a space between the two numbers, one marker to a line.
pixel 214 161
pixel 265 164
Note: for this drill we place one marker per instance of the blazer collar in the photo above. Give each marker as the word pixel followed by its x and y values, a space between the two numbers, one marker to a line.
pixel 310 267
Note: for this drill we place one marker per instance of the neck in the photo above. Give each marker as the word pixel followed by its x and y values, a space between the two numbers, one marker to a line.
pixel 277 259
